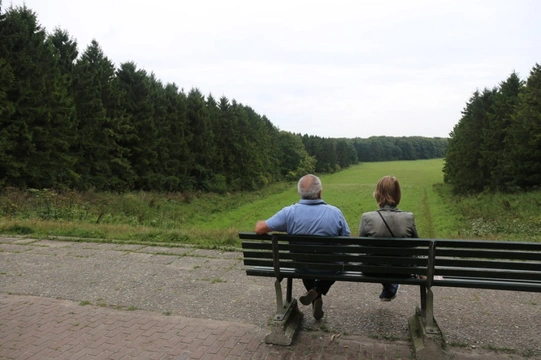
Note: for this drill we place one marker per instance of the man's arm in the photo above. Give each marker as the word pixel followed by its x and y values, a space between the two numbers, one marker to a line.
pixel 261 227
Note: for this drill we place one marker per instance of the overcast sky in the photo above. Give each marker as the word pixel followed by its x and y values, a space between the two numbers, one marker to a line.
pixel 326 68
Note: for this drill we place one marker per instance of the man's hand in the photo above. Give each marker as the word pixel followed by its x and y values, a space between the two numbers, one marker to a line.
pixel 261 227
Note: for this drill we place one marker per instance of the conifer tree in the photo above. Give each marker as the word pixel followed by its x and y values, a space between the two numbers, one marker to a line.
pixel 174 155
pixel 38 129
pixel 524 142
pixel 464 167
pixel 102 160
pixel 201 139
pixel 135 87
pixel 494 142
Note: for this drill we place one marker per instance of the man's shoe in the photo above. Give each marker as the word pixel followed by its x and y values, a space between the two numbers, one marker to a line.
pixel 389 292
pixel 317 307
pixel 309 297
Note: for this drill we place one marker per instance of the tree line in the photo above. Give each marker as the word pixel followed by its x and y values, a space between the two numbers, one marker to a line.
pixel 496 145
pixel 75 120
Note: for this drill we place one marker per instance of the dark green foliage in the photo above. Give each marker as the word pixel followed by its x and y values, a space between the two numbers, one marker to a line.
pixel 37 119
pixel 247 147
pixel 201 141
pixel 66 50
pixel 295 160
pixel 101 158
pixel 385 148
pixel 331 155
pixel 173 151
pixel 137 99
pixel 464 166
pixel 497 143
pixel 524 143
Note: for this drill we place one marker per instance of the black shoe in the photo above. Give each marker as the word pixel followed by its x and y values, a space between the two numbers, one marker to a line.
pixel 309 297
pixel 389 292
pixel 317 308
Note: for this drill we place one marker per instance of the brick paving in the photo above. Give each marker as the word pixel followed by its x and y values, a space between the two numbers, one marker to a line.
pixel 34 327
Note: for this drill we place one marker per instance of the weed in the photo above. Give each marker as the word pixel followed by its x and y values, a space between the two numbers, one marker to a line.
pixel 389 337
pixel 324 327
pixel 499 349
pixel 84 303
pixel 384 336
pixel 132 308
pixel 19 230
pixel 459 344
pixel 530 353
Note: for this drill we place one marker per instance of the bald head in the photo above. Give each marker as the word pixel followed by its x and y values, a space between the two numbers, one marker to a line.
pixel 309 187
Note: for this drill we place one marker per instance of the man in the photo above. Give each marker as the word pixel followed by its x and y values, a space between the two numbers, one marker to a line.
pixel 310 216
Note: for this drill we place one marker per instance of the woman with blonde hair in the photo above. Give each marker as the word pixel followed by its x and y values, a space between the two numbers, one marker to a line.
pixel 388 221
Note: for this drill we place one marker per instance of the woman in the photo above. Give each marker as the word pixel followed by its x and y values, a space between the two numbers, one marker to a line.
pixel 388 221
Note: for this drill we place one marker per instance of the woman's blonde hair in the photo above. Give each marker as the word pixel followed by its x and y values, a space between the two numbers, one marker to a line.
pixel 388 191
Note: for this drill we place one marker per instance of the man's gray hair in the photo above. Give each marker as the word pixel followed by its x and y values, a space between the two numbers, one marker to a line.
pixel 309 187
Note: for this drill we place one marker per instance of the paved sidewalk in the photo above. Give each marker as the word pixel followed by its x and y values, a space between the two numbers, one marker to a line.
pixel 43 328
pixel 72 300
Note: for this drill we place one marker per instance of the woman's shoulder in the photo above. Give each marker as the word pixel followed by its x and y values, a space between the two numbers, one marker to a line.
pixel 369 214
pixel 405 214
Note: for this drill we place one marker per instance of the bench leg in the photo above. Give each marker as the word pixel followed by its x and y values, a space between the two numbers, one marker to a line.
pixel 423 298
pixel 281 306
pixel 280 309
pixel 427 340
pixel 431 326
pixel 288 318
pixel 427 309
pixel 289 293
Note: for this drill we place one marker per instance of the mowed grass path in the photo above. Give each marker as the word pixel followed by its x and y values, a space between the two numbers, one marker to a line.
pixel 352 191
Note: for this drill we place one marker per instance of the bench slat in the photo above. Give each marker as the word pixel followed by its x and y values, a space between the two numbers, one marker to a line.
pixel 489 264
pixel 337 248
pixel 314 266
pixel 480 283
pixel 488 244
pixel 476 273
pixel 344 276
pixel 489 254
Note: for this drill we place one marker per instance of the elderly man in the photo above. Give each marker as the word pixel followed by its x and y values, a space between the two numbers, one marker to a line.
pixel 310 216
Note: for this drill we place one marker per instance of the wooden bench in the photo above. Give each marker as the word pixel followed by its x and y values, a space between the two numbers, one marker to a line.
pixel 478 264
pixel 340 258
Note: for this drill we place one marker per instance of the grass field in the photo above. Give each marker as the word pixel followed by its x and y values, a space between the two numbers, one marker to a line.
pixel 211 220
pixel 352 191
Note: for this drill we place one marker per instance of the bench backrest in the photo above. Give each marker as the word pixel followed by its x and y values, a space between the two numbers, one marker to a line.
pixel 488 264
pixel 481 264
pixel 282 255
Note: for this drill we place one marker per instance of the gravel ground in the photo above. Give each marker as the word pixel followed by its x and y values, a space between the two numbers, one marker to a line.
pixel 213 285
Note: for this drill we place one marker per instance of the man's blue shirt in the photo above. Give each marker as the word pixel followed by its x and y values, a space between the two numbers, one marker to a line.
pixel 310 217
